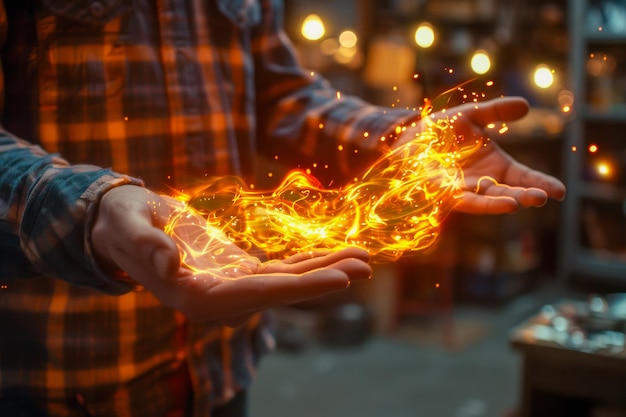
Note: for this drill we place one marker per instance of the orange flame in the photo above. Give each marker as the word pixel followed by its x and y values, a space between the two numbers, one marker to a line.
pixel 395 206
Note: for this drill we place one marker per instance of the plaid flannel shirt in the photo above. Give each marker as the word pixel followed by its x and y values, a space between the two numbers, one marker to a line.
pixel 145 92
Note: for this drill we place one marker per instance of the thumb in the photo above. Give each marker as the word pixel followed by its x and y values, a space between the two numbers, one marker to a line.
pixel 127 233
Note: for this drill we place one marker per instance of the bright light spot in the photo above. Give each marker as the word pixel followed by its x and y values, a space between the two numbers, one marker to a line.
pixel 480 63
pixel 543 76
pixel 424 35
pixel 348 39
pixel 604 169
pixel 313 28
pixel 593 148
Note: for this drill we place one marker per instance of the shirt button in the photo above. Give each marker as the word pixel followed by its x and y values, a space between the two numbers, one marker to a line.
pixel 96 8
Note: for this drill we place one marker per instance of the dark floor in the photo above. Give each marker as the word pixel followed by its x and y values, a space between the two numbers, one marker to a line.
pixel 387 377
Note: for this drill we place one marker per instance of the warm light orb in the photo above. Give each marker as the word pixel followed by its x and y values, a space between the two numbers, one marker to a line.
pixel 604 169
pixel 425 35
pixel 480 63
pixel 348 39
pixel 543 77
pixel 313 28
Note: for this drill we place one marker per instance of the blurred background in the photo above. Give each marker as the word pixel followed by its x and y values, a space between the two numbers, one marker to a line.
pixel 515 315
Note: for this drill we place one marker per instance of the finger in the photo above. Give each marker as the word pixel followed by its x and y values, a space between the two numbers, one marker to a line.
pixel 350 252
pixel 201 300
pixel 526 197
pixel 500 109
pixel 259 292
pixel 136 246
pixel 128 223
pixel 146 255
pixel 520 175
pixel 480 204
pixel 316 262
pixel 270 290
pixel 303 256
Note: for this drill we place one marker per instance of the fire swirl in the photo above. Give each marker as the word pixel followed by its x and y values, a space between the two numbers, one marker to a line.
pixel 396 206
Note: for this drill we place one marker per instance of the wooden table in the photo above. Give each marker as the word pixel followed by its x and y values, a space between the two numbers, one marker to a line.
pixel 559 380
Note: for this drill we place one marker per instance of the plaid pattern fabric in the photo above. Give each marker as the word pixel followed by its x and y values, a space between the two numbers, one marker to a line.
pixel 161 93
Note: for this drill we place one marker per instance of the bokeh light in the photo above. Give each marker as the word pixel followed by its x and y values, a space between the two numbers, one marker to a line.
pixel 543 76
pixel 480 63
pixel 313 28
pixel 425 35
pixel 348 39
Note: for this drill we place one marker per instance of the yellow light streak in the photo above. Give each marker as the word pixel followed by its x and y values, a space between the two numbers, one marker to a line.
pixel 395 206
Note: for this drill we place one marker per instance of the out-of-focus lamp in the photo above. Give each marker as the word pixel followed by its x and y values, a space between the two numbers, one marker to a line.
pixel 480 62
pixel 313 28
pixel 348 39
pixel 566 101
pixel 425 35
pixel 543 77
pixel 604 169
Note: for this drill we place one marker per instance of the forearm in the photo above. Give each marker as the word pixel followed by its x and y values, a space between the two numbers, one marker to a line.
pixel 48 206
pixel 301 115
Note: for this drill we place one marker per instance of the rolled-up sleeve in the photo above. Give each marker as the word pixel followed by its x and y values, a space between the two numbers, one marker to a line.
pixel 47 207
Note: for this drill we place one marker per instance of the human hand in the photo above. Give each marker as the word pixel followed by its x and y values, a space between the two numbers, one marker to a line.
pixel 217 281
pixel 494 182
pixel 127 234
pixel 220 281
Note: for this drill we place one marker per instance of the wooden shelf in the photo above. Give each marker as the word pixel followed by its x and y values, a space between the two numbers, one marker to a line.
pixel 604 124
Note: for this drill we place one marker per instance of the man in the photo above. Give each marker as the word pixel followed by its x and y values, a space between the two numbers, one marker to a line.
pixel 97 316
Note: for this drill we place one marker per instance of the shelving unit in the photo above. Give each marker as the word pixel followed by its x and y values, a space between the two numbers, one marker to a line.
pixel 593 232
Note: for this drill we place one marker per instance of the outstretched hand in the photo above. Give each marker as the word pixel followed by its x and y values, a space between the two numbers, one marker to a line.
pixel 494 182
pixel 219 283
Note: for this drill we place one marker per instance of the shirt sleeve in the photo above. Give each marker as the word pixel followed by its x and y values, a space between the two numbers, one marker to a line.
pixel 47 207
pixel 301 115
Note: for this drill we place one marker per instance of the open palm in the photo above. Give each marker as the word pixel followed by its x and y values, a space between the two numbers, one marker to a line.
pixel 214 272
pixel 494 182
pixel 199 272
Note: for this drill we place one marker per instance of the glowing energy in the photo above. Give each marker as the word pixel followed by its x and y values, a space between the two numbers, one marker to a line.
pixel 395 206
